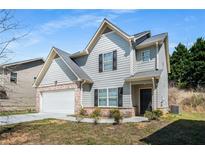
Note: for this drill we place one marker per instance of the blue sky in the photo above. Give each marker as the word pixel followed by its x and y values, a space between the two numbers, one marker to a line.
pixel 71 30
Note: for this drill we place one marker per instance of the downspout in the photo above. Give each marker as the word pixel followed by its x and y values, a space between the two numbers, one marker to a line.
pixel 81 93
pixel 156 57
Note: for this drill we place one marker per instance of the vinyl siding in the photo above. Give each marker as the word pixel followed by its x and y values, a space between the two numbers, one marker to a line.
pixel 139 65
pixel 162 88
pixel 110 79
pixel 58 71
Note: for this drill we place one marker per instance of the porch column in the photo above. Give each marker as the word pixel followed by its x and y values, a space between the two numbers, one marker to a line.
pixel 154 94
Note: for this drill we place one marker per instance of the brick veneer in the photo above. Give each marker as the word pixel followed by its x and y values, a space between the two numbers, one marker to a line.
pixel 105 112
pixel 75 86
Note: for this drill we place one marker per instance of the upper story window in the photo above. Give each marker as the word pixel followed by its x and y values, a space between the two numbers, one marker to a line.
pixel 108 61
pixel 13 77
pixel 146 56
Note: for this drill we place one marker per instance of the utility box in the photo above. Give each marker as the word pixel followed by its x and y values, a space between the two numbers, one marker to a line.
pixel 175 109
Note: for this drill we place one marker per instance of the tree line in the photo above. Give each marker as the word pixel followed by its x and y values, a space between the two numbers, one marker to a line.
pixel 188 65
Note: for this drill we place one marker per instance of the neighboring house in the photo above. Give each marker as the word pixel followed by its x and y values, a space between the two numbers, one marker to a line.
pixel 115 70
pixel 16 79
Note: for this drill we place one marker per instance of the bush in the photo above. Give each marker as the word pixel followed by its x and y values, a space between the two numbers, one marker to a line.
pixel 158 113
pixel 96 114
pixel 115 113
pixel 83 112
pixel 153 115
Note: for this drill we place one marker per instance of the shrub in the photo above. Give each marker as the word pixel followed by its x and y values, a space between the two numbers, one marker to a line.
pixel 83 112
pixel 149 115
pixel 158 113
pixel 153 115
pixel 115 113
pixel 96 114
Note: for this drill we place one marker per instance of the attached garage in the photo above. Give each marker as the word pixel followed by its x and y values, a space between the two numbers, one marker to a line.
pixel 61 101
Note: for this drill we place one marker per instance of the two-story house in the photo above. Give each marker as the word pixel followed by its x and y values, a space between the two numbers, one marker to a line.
pixel 115 70
pixel 16 80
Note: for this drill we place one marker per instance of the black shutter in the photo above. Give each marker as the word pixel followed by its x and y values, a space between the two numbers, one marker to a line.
pixel 120 96
pixel 100 63
pixel 115 60
pixel 96 97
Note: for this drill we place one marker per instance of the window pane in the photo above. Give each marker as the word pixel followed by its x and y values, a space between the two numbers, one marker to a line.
pixel 108 66
pixel 112 101
pixel 113 94
pixel 102 97
pixel 108 56
pixel 108 61
pixel 146 56
pixel 102 92
pixel 102 101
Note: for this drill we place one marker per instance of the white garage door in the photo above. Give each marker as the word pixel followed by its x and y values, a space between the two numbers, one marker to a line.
pixel 58 102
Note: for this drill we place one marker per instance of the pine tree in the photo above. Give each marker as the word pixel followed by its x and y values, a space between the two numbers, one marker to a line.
pixel 180 61
pixel 197 67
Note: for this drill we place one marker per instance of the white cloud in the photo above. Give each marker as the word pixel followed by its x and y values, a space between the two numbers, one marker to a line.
pixel 190 18
pixel 80 21
pixel 68 21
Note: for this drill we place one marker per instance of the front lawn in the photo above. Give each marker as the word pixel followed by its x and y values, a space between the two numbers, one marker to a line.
pixel 185 129
pixel 7 113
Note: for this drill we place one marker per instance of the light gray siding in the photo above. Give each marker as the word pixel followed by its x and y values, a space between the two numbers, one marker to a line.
pixel 162 89
pixel 58 71
pixel 139 65
pixel 111 79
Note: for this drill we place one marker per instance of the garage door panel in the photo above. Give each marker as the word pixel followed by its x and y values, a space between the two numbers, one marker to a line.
pixel 58 102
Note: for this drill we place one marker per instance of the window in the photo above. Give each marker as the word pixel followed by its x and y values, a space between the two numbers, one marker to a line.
pixel 102 97
pixel 108 97
pixel 108 61
pixel 113 95
pixel 146 55
pixel 13 77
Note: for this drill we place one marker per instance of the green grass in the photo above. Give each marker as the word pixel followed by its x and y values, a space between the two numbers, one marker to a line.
pixel 7 113
pixel 187 128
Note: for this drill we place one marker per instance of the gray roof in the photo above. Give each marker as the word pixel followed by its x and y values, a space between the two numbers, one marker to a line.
pixel 140 34
pixel 21 62
pixel 153 39
pixel 145 74
pixel 73 66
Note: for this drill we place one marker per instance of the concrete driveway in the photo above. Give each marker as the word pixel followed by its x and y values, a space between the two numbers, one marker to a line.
pixel 13 119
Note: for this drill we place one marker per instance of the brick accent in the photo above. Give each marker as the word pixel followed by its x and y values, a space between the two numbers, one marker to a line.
pixel 105 112
pixel 75 86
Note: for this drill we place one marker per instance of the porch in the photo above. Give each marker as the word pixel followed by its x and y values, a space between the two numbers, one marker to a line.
pixel 144 91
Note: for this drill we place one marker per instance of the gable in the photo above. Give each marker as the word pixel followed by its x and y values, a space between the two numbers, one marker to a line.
pixel 58 71
pixel 105 27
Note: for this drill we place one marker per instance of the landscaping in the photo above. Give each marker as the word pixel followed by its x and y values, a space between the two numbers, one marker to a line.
pixel 187 128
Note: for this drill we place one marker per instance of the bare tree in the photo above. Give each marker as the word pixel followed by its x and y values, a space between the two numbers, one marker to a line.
pixel 10 31
pixel 9 26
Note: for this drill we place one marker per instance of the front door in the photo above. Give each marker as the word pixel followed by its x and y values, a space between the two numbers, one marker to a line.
pixel 145 100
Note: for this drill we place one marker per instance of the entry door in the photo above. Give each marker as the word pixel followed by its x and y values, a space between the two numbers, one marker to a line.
pixel 145 100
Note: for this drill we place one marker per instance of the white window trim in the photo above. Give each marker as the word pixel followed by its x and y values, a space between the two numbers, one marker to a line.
pixel 148 50
pixel 103 61
pixel 107 90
